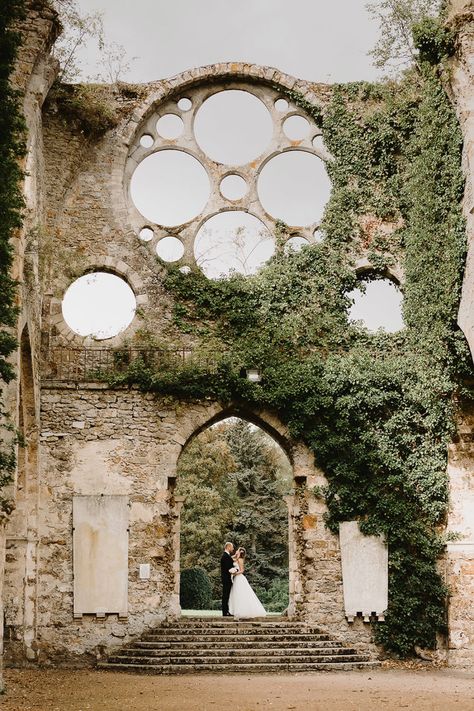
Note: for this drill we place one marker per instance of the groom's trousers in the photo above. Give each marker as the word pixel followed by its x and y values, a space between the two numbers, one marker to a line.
pixel 226 588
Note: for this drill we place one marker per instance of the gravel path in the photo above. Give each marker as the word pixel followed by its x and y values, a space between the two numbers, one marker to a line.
pixel 387 689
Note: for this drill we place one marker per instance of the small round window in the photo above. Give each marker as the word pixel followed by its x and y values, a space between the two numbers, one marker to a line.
pixel 99 305
pixel 377 305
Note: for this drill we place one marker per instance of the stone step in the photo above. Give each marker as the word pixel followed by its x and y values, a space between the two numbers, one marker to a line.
pixel 245 644
pixel 223 646
pixel 233 668
pixel 238 639
pixel 232 652
pixel 233 627
pixel 239 659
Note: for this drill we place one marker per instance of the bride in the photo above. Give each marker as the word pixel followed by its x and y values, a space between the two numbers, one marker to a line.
pixel 242 601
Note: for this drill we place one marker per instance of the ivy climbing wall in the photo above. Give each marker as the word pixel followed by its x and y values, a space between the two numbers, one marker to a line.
pixel 367 418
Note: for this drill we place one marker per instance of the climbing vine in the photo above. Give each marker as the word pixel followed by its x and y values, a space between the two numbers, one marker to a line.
pixel 11 151
pixel 377 409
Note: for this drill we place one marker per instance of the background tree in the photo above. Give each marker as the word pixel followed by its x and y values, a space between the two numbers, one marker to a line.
pixel 233 477
pixel 210 499
pixel 260 522
pixel 395 49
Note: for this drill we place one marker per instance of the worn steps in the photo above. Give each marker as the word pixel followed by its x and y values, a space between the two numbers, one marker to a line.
pixel 203 645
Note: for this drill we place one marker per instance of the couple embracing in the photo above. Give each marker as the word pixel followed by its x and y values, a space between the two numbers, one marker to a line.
pixel 238 598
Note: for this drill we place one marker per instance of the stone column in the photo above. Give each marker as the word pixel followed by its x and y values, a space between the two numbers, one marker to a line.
pixel 293 572
pixel 176 543
pixel 460 553
pixel 2 569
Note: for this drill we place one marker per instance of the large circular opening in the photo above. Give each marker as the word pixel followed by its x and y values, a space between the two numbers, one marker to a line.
pixel 99 305
pixel 170 187
pixel 232 241
pixel 377 305
pixel 233 127
pixel 294 187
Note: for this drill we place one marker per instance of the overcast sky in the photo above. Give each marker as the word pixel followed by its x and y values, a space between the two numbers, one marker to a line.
pixel 318 40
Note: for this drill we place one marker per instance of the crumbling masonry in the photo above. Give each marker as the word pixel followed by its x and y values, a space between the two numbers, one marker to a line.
pixel 84 439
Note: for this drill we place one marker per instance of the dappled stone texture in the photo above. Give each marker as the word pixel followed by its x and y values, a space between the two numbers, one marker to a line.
pixel 460 555
pixel 98 441
pixel 94 440
pixel 461 19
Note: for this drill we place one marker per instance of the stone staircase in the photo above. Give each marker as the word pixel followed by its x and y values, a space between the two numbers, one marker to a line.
pixel 207 645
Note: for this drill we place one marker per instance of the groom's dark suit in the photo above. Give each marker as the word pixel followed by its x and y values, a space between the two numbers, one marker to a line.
pixel 226 564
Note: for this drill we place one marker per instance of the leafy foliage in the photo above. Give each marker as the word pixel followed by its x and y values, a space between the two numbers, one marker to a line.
pixel 12 149
pixel 195 589
pixel 90 108
pixel 396 48
pixel 376 409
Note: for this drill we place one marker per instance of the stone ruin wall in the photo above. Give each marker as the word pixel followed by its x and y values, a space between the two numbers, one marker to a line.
pixel 97 441
pixel 90 440
pixel 34 75
pixel 460 553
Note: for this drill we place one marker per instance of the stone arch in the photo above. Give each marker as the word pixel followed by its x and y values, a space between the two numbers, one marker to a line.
pixel 304 471
pixel 365 269
pixel 262 419
pixel 226 71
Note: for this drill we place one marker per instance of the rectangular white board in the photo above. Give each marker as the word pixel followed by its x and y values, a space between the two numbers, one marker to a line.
pixel 100 550
pixel 364 571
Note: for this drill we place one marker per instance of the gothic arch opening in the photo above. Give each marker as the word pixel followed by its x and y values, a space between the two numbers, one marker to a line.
pixel 232 480
pixel 22 539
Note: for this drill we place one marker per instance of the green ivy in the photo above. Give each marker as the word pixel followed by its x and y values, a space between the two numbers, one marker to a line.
pixel 12 149
pixel 375 408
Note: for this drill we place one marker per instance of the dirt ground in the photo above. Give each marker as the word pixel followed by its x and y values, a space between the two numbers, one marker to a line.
pixel 387 689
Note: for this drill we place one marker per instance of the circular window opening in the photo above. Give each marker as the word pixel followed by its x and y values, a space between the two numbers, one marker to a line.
pixel 185 269
pixel 318 235
pixel 295 244
pixel 377 305
pixel 170 249
pixel 170 187
pixel 170 126
pixel 294 187
pixel 146 234
pixel 281 105
pixel 232 241
pixel 318 143
pixel 185 104
pixel 233 187
pixel 99 305
pixel 147 140
pixel 233 127
pixel 296 128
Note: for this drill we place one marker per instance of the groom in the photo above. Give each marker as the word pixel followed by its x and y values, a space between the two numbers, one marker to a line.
pixel 226 564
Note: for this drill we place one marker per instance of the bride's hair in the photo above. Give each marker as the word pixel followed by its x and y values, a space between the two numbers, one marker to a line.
pixel 242 552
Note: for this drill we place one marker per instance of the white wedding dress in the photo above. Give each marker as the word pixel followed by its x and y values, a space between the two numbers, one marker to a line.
pixel 242 600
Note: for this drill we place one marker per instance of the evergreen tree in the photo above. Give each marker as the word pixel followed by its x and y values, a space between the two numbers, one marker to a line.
pixel 210 498
pixel 233 478
pixel 260 523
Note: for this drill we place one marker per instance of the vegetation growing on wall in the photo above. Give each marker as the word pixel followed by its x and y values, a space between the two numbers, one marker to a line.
pixel 376 409
pixel 11 203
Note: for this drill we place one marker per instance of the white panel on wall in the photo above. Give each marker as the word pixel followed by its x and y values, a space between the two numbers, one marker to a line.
pixel 364 572
pixel 100 550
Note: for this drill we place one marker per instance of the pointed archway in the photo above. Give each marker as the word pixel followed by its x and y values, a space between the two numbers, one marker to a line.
pixel 233 478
